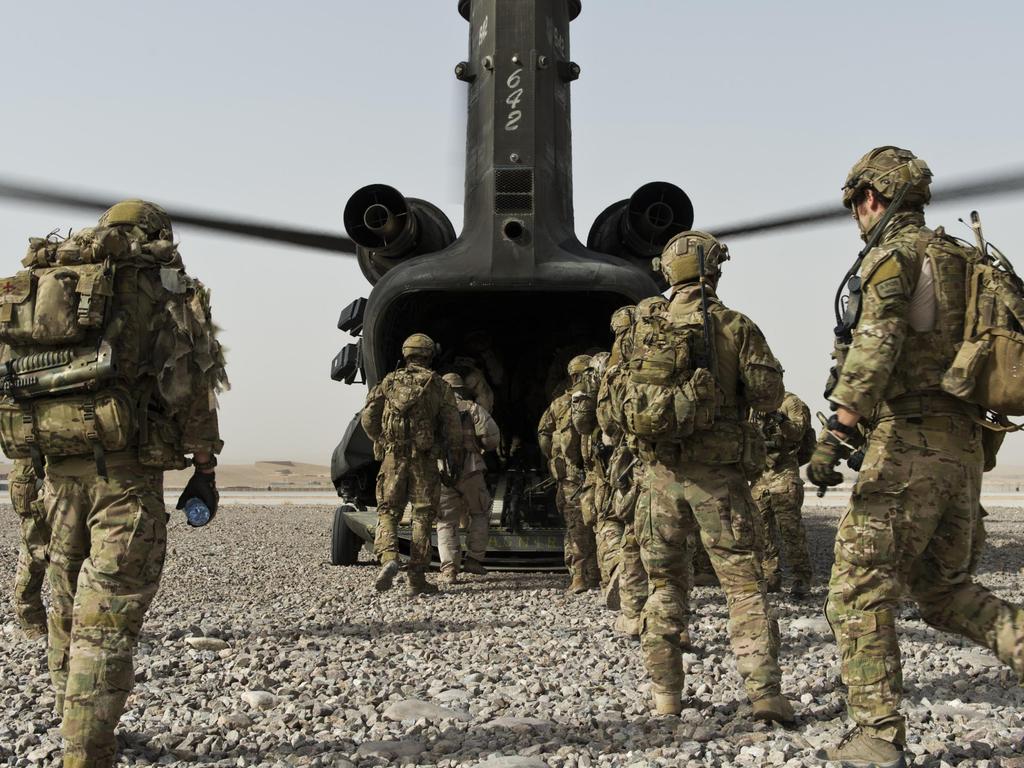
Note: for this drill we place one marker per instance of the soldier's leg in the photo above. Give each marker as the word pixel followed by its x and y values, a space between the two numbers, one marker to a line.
pixel 787 505
pixel 424 493
pixel 632 583
pixel 661 525
pixel 128 541
pixel 701 570
pixel 609 547
pixel 578 538
pixel 765 523
pixel 392 495
pixel 67 507
pixel 720 499
pixel 450 509
pixel 32 558
pixel 478 503
pixel 587 537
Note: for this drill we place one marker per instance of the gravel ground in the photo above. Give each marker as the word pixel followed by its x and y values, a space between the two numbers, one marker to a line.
pixel 257 652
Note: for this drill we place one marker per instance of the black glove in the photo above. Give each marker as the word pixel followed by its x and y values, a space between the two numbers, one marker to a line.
pixel 202 486
pixel 856 460
pixel 829 451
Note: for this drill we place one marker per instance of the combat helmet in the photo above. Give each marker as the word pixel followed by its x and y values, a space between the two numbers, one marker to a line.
pixel 149 217
pixel 578 365
pixel 886 169
pixel 680 259
pixel 419 346
pixel 599 363
pixel 623 319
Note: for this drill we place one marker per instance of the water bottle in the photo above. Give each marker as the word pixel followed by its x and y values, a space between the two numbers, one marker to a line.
pixel 197 513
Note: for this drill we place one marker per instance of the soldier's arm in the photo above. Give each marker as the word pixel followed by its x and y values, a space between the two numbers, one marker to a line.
pixel 880 332
pixel 200 426
pixel 545 430
pixel 373 412
pixel 759 371
pixel 797 419
pixel 485 428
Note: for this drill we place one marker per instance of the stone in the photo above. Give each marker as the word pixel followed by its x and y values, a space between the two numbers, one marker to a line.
pixel 260 699
pixel 391 749
pixel 206 643
pixel 513 761
pixel 416 709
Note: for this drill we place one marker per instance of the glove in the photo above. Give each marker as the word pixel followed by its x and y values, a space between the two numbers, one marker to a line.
pixel 202 486
pixel 829 451
pixel 856 460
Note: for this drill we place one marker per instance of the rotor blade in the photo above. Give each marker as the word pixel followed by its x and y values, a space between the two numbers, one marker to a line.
pixel 276 233
pixel 990 186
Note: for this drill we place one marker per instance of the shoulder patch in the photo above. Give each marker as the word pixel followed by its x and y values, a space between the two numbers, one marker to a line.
pixel 880 266
pixel 888 288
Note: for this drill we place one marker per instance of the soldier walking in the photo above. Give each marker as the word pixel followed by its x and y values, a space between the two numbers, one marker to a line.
pixel 469 497
pixel 132 392
pixel 915 505
pixel 778 493
pixel 32 554
pixel 414 423
pixel 693 377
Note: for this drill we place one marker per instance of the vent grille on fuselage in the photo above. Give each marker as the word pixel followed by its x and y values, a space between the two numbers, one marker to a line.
pixel 513 190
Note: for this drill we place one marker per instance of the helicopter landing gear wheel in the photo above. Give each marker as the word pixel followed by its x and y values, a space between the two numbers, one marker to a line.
pixel 345 545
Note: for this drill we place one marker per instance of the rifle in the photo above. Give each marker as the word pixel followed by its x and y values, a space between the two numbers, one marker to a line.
pixel 847 318
pixel 708 338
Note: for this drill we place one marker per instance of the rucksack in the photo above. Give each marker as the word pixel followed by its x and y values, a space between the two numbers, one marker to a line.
pixel 668 390
pixel 408 421
pixel 988 363
pixel 98 332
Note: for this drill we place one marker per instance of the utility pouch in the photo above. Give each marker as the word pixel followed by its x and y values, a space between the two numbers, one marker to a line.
pixel 55 306
pixel 160 442
pixel 987 371
pixel 66 426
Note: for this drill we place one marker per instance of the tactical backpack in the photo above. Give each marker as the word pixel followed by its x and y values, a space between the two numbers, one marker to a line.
pixel 97 334
pixel 988 366
pixel 408 422
pixel 668 391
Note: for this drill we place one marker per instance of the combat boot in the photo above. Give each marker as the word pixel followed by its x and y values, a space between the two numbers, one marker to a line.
pixel 668 703
pixel 775 709
pixel 386 576
pixel 612 600
pixel 629 627
pixel 578 584
pixel 418 584
pixel 858 749
pixel 448 575
pixel 34 630
pixel 470 565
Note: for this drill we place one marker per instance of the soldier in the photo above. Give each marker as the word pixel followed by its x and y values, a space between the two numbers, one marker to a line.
pixel 140 343
pixel 779 494
pixel 469 497
pixel 413 420
pixel 596 499
pixel 560 444
pixel 915 505
pixel 32 557
pixel 693 376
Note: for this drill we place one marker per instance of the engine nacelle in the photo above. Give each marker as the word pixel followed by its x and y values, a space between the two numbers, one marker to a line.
pixel 389 228
pixel 639 227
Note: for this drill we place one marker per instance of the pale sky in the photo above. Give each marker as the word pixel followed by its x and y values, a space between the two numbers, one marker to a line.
pixel 281 110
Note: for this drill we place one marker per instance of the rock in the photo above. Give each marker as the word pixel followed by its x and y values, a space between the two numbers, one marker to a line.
pixel 236 720
pixel 206 643
pixel 415 709
pixel 260 699
pixel 518 723
pixel 814 625
pixel 391 749
pixel 39 754
pixel 513 761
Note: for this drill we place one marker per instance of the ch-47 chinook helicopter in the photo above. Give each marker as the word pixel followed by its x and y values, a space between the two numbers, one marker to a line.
pixel 515 294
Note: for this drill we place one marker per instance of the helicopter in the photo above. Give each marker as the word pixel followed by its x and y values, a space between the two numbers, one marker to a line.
pixel 515 293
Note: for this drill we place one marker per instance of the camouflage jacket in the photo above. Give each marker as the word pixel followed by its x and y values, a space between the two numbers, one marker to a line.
pixel 438 405
pixel 479 434
pixel 558 441
pixel 899 343
pixel 783 430
pixel 745 368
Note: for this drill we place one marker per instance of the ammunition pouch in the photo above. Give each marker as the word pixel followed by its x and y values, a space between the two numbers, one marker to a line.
pixel 55 305
pixel 67 426
pixel 654 411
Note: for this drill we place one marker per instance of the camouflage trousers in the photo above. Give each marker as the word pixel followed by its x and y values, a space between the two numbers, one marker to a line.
pixel 909 529
pixel 607 527
pixel 580 545
pixel 779 496
pixel 632 576
pixel 32 553
pixel 715 499
pixel 106 555
pixel 470 498
pixel 406 480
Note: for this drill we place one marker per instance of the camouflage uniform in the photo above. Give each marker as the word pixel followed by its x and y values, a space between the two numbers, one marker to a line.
pixel 561 445
pixel 698 484
pixel 109 533
pixel 915 506
pixel 410 474
pixel 32 554
pixel 779 492
pixel 470 496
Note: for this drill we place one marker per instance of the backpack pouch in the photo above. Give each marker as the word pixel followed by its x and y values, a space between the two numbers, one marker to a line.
pixel 68 426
